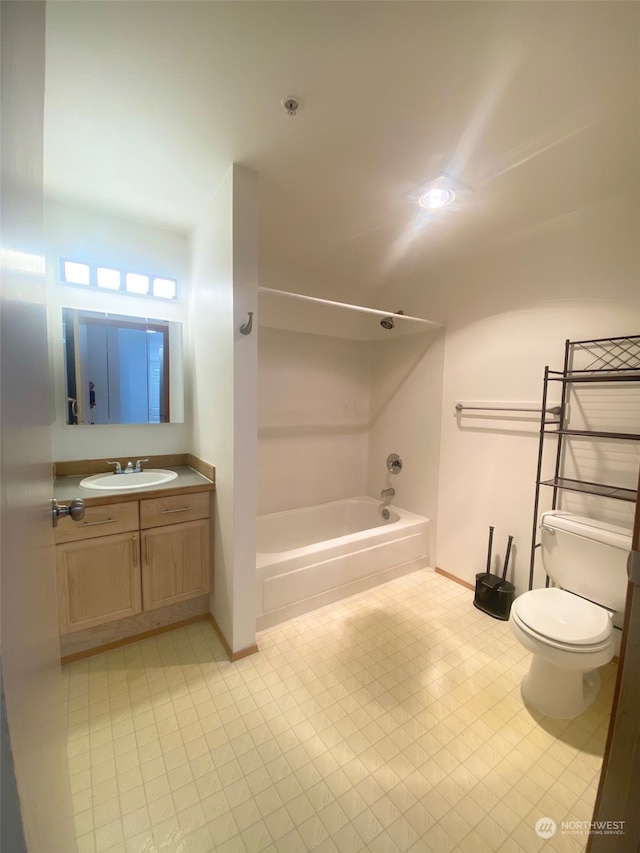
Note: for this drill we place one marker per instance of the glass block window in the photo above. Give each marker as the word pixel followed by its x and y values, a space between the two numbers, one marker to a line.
pixel 117 280
pixel 137 283
pixel 107 278
pixel 74 272
pixel 165 288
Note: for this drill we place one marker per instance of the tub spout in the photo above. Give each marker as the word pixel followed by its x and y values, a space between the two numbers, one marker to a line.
pixel 387 493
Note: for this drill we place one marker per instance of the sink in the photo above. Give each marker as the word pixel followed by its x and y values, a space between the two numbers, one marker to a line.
pixel 117 482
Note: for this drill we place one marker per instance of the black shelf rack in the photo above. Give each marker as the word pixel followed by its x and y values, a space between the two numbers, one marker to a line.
pixel 603 361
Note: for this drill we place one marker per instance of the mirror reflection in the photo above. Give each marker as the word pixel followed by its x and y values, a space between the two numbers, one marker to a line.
pixel 117 368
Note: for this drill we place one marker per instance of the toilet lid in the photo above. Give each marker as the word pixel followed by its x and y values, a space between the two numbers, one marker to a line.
pixel 561 616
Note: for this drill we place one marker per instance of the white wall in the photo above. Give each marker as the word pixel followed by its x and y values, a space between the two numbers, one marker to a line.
pixel 509 311
pixel 313 418
pixel 96 237
pixel 224 289
pixel 245 390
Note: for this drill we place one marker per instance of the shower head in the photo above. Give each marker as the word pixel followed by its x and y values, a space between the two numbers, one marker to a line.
pixel 387 322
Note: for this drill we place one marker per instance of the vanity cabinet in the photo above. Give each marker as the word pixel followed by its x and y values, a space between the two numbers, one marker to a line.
pixel 175 548
pixel 157 552
pixel 98 576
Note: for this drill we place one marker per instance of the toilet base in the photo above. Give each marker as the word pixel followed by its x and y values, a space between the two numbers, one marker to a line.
pixel 558 692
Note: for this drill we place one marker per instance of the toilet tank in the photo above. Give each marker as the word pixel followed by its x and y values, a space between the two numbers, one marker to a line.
pixel 586 556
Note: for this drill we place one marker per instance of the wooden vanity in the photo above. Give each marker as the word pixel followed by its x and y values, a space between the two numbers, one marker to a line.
pixel 138 560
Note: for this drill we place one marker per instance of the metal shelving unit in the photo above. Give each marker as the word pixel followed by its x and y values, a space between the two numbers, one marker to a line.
pixel 600 361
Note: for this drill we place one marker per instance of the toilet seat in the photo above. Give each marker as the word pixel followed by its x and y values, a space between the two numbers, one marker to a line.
pixel 541 641
pixel 563 620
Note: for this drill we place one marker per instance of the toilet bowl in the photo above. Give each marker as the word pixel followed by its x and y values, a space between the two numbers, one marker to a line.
pixel 571 637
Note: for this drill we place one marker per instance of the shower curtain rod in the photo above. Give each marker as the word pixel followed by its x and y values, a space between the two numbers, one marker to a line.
pixel 329 302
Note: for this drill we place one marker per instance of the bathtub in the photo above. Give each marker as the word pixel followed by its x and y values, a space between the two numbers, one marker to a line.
pixel 315 555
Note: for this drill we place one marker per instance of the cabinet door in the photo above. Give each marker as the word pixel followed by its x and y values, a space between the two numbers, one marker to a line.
pixel 98 581
pixel 175 564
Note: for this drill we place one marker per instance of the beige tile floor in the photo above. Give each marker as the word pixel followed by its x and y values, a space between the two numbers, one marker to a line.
pixel 391 721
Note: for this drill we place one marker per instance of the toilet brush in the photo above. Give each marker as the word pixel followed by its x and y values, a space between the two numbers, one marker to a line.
pixel 506 558
pixel 489 550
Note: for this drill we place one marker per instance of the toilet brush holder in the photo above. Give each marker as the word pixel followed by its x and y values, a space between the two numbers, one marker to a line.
pixel 493 595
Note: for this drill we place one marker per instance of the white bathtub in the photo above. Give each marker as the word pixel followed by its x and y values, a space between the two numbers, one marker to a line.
pixel 314 555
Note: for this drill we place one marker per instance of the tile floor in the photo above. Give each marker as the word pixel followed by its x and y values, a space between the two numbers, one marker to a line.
pixel 391 721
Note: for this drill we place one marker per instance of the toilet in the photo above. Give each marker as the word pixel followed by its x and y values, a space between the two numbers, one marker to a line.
pixel 568 627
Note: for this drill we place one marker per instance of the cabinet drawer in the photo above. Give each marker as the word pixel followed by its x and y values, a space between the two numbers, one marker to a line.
pixel 156 512
pixel 99 521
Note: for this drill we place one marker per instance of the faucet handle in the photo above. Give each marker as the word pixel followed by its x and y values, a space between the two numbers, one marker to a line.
pixel 138 467
pixel 394 463
pixel 118 469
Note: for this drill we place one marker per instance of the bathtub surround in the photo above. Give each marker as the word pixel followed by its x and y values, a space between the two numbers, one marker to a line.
pixel 406 405
pixel 331 410
pixel 313 418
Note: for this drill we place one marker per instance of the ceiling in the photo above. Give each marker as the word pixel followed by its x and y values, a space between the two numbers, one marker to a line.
pixel 533 106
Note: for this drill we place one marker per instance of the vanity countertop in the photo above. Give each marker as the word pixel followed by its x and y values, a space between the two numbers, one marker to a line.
pixel 189 480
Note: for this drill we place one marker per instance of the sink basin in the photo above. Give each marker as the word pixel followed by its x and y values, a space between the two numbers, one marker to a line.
pixel 117 482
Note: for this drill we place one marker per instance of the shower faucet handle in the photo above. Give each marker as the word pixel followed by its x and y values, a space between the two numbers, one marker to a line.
pixel 394 463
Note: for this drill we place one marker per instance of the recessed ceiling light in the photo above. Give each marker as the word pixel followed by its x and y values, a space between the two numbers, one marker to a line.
pixel 439 192
pixel 436 197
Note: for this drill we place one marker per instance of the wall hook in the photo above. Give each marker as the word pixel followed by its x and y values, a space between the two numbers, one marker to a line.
pixel 245 329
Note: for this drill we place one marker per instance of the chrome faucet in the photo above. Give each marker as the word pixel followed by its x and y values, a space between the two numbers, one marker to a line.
pixel 129 469
pixel 387 493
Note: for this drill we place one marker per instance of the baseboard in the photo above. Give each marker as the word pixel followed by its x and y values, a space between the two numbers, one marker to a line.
pixel 134 638
pixel 233 656
pixel 453 578
pixel 132 626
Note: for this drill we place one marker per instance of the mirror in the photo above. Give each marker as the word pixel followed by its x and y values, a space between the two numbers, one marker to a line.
pixel 120 369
